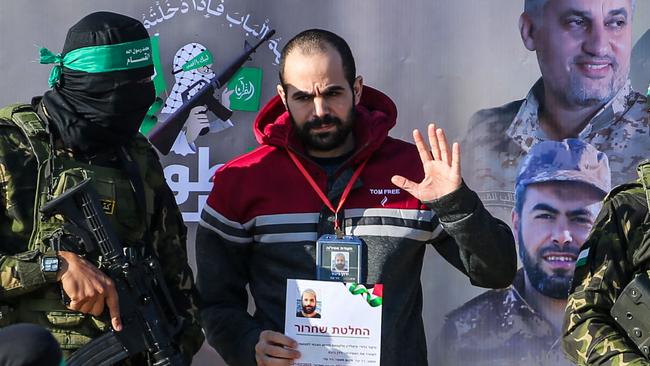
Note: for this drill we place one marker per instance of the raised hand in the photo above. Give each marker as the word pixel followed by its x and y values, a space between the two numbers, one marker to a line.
pixel 196 123
pixel 441 167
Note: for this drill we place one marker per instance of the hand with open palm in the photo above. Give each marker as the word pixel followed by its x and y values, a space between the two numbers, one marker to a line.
pixel 441 167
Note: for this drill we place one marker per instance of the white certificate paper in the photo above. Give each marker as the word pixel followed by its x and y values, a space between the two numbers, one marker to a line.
pixel 344 326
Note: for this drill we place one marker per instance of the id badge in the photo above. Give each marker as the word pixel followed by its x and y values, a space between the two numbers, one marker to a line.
pixel 339 259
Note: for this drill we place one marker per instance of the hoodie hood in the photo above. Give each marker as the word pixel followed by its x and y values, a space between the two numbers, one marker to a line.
pixel 376 114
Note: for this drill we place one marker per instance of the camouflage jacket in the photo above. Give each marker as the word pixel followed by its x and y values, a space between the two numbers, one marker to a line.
pixel 26 295
pixel 498 328
pixel 618 248
pixel 498 138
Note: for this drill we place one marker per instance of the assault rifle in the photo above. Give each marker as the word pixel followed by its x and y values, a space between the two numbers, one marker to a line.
pixel 164 134
pixel 149 318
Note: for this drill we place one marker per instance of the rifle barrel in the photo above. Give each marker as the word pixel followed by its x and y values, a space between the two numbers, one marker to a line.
pixel 163 135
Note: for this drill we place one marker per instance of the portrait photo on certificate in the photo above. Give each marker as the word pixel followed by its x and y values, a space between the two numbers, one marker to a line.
pixel 334 323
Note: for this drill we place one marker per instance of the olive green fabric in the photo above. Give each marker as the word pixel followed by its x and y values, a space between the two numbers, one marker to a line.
pixel 25 295
pixel 618 247
pixel 644 176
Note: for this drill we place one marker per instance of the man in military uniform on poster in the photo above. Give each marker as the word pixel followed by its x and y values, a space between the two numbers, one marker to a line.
pixel 583 49
pixel 558 193
pixel 87 127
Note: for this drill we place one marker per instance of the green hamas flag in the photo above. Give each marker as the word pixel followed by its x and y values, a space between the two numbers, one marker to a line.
pixel 246 86
pixel 150 118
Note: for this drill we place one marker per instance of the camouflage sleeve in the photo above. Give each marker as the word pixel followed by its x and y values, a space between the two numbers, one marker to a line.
pixel 591 336
pixel 484 142
pixel 20 270
pixel 20 273
pixel 169 237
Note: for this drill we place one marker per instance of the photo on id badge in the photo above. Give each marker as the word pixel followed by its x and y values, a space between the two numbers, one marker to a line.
pixel 339 259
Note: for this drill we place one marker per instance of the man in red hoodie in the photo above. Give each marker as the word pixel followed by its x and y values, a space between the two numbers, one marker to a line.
pixel 327 165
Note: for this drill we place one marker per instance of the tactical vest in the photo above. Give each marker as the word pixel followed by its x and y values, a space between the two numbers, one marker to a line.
pixel 630 310
pixel 57 172
pixel 644 176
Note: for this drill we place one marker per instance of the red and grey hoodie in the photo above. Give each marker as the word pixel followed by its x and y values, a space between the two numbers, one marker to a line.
pixel 262 219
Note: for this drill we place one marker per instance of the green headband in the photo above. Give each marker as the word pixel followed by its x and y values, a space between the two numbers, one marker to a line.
pixel 202 59
pixel 94 59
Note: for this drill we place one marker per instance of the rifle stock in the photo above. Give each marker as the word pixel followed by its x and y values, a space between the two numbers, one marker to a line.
pixel 164 134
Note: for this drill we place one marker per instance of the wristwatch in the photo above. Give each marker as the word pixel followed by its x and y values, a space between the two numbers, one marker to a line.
pixel 50 267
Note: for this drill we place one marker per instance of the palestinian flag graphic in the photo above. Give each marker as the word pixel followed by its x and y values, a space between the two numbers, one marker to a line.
pixel 372 293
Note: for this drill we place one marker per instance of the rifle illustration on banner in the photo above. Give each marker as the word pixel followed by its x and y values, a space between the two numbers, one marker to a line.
pixel 149 317
pixel 164 134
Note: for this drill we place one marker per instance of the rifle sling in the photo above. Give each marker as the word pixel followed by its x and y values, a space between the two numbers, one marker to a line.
pixel 132 169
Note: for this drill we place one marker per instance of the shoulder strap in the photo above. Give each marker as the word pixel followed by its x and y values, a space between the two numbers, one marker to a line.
pixel 24 116
pixel 644 176
pixel 134 172
pixel 27 120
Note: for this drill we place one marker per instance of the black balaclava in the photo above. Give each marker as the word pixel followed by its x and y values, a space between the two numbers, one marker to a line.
pixel 92 112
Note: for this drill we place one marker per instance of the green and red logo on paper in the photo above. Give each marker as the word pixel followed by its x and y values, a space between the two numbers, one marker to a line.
pixel 373 293
pixel 246 87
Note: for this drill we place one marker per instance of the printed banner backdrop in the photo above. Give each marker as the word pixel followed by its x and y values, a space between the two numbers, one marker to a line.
pixel 438 60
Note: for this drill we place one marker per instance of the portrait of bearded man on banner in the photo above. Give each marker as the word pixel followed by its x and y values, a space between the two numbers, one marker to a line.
pixel 558 194
pixel 583 49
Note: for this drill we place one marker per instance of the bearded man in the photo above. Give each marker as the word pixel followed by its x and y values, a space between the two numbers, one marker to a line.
pixel 325 139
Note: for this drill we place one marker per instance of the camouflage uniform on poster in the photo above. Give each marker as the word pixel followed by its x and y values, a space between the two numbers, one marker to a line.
pixel 618 249
pixel 498 328
pixel 50 146
pixel 499 138
pixel 558 193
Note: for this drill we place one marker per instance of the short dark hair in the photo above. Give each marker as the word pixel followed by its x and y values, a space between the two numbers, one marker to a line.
pixel 534 7
pixel 308 291
pixel 317 40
